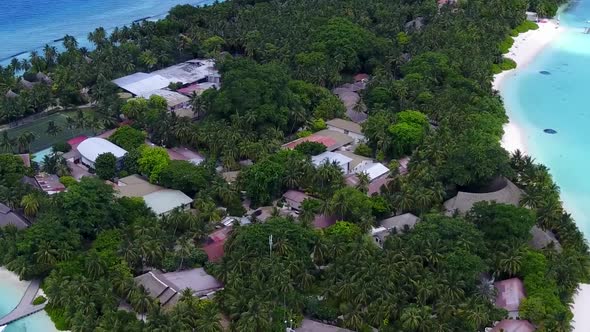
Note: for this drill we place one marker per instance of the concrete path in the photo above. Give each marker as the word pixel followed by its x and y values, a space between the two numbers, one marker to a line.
pixel 25 307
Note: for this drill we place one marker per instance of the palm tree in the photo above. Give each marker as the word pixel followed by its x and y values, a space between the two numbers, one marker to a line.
pixel 185 248
pixel 142 302
pixel 6 143
pixel 52 129
pixel 364 181
pixel 30 204
pixel 198 105
pixel 24 141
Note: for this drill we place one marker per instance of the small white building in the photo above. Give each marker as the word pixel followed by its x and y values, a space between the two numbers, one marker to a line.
pixel 93 147
pixel 346 127
pixel 373 170
pixel 332 157
pixel 164 201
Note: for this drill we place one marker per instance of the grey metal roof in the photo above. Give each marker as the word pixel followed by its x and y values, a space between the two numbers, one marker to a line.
pixel 464 201
pixel 8 217
pixel 345 125
pixel 135 186
pixel 166 200
pixel 188 72
pixel 398 222
pixel 309 325
pixel 140 84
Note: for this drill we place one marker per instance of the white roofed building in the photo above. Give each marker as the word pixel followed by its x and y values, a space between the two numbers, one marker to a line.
pixel 93 147
pixel 141 84
pixel 333 157
pixel 196 70
pixel 165 201
pixel 373 170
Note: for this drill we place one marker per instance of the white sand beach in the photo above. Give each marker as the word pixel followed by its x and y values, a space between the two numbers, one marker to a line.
pixel 11 281
pixel 526 46
pixel 581 308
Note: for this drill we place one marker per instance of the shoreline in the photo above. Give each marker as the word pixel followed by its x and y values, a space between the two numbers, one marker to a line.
pixel 525 48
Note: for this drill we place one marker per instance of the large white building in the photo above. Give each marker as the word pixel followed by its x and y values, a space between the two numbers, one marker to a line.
pixel 93 147
pixel 156 83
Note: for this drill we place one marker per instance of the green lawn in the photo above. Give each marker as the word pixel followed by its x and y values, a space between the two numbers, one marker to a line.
pixel 39 128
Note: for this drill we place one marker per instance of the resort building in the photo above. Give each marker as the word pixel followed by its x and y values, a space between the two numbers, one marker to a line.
pixel 9 217
pixel 513 325
pixel 193 75
pixel 510 293
pixel 331 139
pixel 93 147
pixel 393 225
pixel 346 127
pixel 332 158
pixel 166 288
pixel 174 100
pixel 350 97
pixel 508 193
pixel 294 199
pixel 308 325
pixel 164 201
pixel 159 199
pixel 215 242
pixel 49 183
pixel 543 239
pixel 373 170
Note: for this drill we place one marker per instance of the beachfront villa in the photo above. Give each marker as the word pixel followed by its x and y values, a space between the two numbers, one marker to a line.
pixel 508 193
pixel 93 147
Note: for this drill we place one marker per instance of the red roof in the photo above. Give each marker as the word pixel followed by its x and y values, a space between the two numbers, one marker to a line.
pixel 323 221
pixel 76 140
pixel 214 251
pixel 326 141
pixel 214 248
pixel 510 293
pixel 188 90
pixel 514 325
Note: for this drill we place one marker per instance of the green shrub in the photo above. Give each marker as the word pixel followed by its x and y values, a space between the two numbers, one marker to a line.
pixel 363 150
pixel 39 300
pixel 304 133
pixel 61 147
pixel 311 148
pixel 317 125
pixel 67 180
pixel 526 26
pixel 507 64
pixel 506 45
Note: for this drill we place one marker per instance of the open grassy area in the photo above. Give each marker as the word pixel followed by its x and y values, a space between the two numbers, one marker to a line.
pixel 39 128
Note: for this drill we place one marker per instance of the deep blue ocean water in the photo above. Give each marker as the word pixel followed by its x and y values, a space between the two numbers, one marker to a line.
pixel 30 24
pixel 27 25
pixel 559 101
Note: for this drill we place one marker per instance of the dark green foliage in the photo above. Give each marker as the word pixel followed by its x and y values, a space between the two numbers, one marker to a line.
pixel 39 300
pixel 12 169
pixel 128 138
pixel 106 166
pixel 186 177
pixel 311 148
pixel 61 147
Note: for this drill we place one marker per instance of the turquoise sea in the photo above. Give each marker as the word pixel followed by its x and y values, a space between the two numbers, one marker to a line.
pixel 560 101
pixel 27 25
